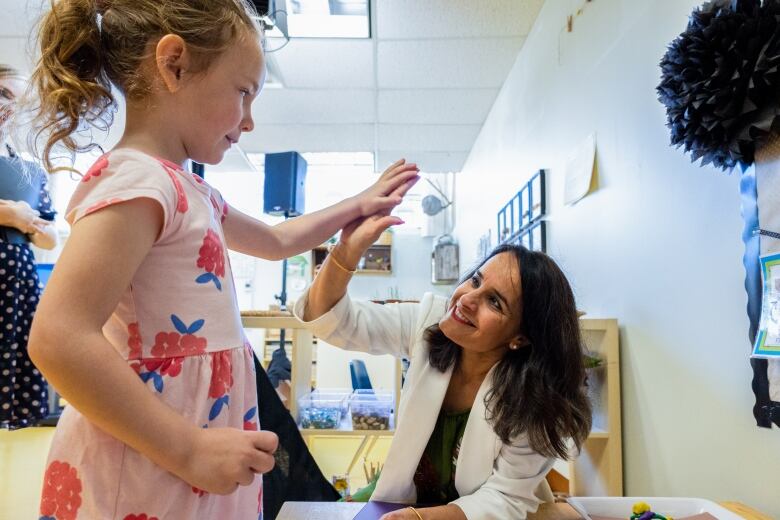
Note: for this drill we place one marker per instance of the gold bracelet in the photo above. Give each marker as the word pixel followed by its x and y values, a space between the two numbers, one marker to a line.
pixel 416 512
pixel 332 257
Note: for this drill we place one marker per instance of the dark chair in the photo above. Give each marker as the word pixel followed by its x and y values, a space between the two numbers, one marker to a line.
pixel 296 476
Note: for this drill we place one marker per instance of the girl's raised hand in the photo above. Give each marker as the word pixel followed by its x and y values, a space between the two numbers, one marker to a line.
pixel 225 458
pixel 387 192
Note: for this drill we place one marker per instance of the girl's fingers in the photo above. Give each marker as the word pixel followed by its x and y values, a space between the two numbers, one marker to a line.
pixel 391 184
pixel 390 168
pixel 262 462
pixel 265 441
pixel 397 170
pixel 402 190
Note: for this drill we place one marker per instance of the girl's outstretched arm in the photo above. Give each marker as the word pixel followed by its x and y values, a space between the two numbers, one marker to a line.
pixel 68 346
pixel 250 236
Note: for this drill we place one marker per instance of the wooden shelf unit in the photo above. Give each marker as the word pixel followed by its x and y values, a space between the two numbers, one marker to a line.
pixel 378 258
pixel 598 470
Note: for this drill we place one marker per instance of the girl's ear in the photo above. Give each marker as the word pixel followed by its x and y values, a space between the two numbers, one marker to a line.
pixel 172 60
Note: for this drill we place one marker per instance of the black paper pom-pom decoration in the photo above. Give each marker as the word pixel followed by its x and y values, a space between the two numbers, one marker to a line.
pixel 720 81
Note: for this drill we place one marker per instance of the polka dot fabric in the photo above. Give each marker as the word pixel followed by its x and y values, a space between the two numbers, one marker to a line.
pixel 23 394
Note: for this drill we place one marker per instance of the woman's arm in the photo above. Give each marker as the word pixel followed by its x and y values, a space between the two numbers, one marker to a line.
pixel 363 326
pixel 45 234
pixel 252 237
pixel 68 346
pixel 330 284
pixel 18 214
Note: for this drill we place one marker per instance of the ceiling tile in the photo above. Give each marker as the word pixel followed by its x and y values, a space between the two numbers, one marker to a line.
pixel 326 63
pixel 314 106
pixel 474 63
pixel 412 19
pixel 429 162
pixel 436 106
pixel 435 138
pixel 309 138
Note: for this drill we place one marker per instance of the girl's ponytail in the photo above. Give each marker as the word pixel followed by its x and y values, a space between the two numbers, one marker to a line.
pixel 71 85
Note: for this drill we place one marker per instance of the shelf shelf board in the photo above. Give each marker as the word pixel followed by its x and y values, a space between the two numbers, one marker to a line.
pixel 374 271
pixel 598 433
pixel 314 432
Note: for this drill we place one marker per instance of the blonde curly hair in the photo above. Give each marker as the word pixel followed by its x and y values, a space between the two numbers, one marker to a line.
pixel 88 46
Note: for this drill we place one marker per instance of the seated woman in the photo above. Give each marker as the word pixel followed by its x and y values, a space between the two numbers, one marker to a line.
pixel 495 386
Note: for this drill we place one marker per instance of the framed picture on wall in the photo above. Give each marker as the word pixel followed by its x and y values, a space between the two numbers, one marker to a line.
pixel 521 220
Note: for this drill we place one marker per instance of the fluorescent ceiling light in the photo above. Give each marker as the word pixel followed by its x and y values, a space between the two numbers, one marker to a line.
pixel 321 19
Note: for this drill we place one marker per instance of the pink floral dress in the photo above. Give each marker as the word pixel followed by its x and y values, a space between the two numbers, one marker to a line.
pixel 179 328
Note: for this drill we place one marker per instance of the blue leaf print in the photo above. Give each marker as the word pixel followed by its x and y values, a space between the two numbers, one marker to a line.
pixel 217 407
pixel 250 413
pixel 180 326
pixel 156 380
pixel 209 277
pixel 195 327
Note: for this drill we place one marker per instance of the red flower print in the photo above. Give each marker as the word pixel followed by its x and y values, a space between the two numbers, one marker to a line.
pixel 221 374
pixel 224 211
pixel 61 497
pixel 142 516
pixel 260 499
pixel 181 203
pixel 198 491
pixel 192 344
pixel 166 366
pixel 211 255
pixel 166 344
pixel 134 341
pixel 102 204
pixel 96 169
pixel 183 342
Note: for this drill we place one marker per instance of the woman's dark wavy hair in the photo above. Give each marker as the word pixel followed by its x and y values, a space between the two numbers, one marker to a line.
pixel 539 389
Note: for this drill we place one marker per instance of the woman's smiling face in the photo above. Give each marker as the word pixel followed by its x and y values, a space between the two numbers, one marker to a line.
pixel 484 311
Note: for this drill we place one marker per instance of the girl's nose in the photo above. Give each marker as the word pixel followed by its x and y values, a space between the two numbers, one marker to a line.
pixel 248 124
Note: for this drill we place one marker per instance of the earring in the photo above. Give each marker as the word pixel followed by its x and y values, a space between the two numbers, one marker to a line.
pixel 514 346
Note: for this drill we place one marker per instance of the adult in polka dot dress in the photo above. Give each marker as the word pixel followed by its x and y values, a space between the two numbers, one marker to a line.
pixel 25 207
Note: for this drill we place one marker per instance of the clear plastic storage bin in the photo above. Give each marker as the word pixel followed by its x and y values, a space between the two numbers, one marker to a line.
pixel 343 394
pixel 320 413
pixel 371 410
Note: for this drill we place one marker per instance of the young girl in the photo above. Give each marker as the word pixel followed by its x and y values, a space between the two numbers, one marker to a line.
pixel 139 328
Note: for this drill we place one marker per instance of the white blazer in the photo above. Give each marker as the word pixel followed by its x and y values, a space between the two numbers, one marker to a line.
pixel 494 480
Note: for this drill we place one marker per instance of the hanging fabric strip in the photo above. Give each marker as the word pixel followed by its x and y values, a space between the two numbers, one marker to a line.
pixel 766 189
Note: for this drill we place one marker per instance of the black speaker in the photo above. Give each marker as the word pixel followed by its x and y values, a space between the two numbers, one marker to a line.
pixel 283 191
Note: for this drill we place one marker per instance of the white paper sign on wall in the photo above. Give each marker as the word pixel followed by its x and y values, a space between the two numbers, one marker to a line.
pixel 579 171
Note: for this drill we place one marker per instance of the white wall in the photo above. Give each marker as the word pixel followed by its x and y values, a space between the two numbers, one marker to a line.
pixel 657 246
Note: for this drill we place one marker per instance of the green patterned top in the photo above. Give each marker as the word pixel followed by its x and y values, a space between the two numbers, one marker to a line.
pixel 435 475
